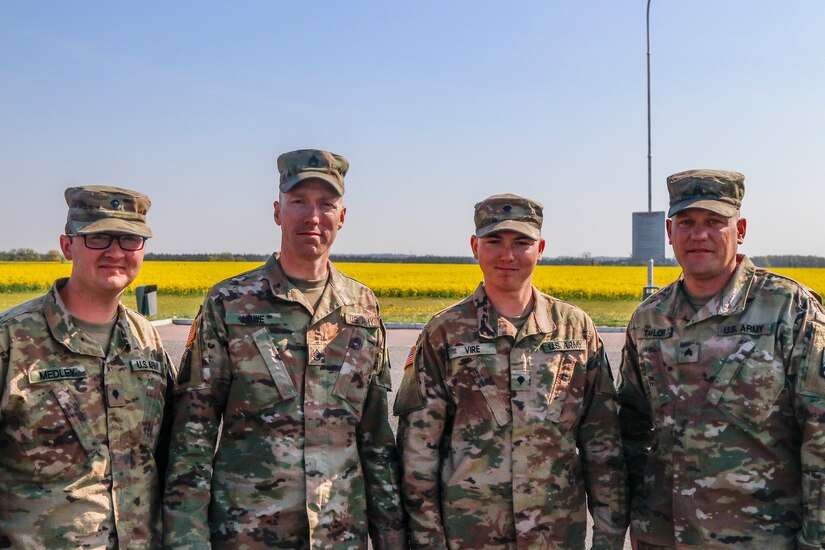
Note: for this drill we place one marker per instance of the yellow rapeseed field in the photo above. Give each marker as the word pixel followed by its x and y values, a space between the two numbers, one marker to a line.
pixel 438 280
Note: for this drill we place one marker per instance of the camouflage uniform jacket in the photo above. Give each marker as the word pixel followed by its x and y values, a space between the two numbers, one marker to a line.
pixel 502 434
pixel 306 457
pixel 722 416
pixel 81 430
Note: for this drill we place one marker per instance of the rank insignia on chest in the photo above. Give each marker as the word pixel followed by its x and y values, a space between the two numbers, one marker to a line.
pixel 519 380
pixel 687 353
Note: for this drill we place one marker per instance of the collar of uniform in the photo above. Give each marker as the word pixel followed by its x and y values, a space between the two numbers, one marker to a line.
pixel 123 337
pixel 333 298
pixel 61 326
pixel 489 326
pixel 487 316
pixel 730 300
pixel 541 313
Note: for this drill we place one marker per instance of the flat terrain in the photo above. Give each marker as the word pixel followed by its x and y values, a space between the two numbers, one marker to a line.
pixel 394 309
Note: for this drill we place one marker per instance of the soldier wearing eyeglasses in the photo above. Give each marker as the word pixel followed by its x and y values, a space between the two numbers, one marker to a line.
pixel 84 384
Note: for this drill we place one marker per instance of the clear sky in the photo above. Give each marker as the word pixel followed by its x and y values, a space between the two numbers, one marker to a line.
pixel 436 104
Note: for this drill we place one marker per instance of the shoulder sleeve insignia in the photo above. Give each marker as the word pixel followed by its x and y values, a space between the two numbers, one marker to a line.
pixel 411 357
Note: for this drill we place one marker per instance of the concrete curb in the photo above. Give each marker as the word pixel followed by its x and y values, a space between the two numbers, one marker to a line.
pixel 391 326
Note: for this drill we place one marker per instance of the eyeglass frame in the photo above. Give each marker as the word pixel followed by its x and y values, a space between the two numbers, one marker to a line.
pixel 112 238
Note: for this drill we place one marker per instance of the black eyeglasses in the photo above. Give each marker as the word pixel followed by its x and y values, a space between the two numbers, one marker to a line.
pixel 102 241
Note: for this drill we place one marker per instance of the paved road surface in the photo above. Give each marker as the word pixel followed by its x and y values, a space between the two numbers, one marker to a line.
pixel 400 341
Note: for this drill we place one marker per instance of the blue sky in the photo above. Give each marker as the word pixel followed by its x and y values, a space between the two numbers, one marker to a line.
pixel 436 104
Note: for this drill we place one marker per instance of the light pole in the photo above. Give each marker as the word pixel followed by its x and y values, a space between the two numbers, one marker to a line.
pixel 649 154
pixel 648 237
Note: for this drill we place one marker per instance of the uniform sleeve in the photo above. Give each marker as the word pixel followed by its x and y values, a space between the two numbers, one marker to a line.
pixel 599 441
pixel 807 361
pixel 379 460
pixel 635 419
pixel 423 409
pixel 4 365
pixel 162 449
pixel 200 396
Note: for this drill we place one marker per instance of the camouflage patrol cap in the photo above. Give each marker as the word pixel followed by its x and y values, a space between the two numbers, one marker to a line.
pixel 304 164
pixel 100 208
pixel 508 212
pixel 719 191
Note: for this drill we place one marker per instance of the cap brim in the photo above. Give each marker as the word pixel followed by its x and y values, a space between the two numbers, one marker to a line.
pixel 722 208
pixel 304 176
pixel 110 225
pixel 523 228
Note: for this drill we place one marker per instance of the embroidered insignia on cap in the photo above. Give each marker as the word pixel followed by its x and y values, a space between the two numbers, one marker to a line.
pixel 313 161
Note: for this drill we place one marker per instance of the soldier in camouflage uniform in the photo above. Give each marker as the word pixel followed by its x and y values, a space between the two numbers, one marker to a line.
pixel 292 358
pixel 83 388
pixel 508 414
pixel 722 390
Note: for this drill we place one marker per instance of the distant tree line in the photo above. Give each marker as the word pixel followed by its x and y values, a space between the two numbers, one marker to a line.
pixel 788 261
pixel 783 260
pixel 29 255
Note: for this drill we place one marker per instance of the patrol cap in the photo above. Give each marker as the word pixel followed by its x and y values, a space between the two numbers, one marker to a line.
pixel 508 212
pixel 100 208
pixel 304 164
pixel 719 191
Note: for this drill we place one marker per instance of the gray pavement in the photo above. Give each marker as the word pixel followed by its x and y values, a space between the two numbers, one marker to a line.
pixel 399 343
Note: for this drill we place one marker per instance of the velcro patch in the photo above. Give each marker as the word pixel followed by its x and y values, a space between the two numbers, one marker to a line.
pixel 265 318
pixel 473 348
pixel 563 345
pixel 654 332
pixel 193 331
pixel 145 365
pixel 56 373
pixel 410 358
pixel 360 320
pixel 753 329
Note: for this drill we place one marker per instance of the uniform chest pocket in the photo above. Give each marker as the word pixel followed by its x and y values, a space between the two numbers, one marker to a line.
pixel 353 380
pixel 258 366
pixel 560 390
pixel 748 381
pixel 471 380
pixel 153 406
pixel 654 381
pixel 55 432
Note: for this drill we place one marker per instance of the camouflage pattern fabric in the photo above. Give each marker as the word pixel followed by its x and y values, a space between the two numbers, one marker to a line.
pixel 503 434
pixel 81 430
pixel 306 458
pixel 722 416
pixel 719 191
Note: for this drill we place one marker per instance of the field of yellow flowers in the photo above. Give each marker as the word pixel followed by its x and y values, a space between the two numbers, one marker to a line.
pixel 390 280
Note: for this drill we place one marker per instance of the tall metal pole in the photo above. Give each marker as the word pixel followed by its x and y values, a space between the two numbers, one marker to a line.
pixel 649 154
pixel 649 149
